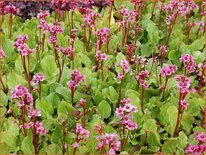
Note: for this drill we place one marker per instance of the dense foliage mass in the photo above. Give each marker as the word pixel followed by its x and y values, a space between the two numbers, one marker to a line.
pixel 109 77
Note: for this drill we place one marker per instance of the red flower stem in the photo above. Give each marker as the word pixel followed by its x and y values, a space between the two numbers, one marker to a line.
pixel 43 42
pixel 170 30
pixel 72 96
pixel 25 71
pixel 178 116
pixel 153 9
pixel 58 63
pixel 23 119
pixel 160 17
pixel 88 43
pixel 142 104
pixel 102 70
pixel 120 90
pixel 203 117
pixel 84 118
pixel 10 26
pixel 145 139
pixel 39 91
pixel 126 139
pixel 35 136
pixel 164 89
pixel 122 141
pixel 72 22
pixel 110 13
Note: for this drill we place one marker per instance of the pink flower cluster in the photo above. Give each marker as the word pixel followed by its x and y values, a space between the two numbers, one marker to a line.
pixel 22 93
pixel 43 24
pixel 20 45
pixel 11 9
pixel 189 62
pixel 125 68
pixel 125 113
pixel 169 70
pixel 100 56
pixel 66 51
pixel 2 54
pixel 183 83
pixel 54 30
pixel 102 35
pixel 82 135
pixel 89 18
pixel 76 78
pixel 130 16
pixel 141 78
pixel 37 78
pixel 109 140
pixel 200 148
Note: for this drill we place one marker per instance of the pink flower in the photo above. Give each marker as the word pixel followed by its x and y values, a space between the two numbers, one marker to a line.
pixel 65 145
pixel 37 78
pixel 141 78
pixel 183 83
pixel 184 104
pixel 188 62
pixel 2 54
pixel 21 47
pixel 201 137
pixel 75 144
pixel 100 56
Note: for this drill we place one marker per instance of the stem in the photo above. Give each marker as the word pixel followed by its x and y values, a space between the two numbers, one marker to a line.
pixel 72 22
pixel 102 70
pixel 203 118
pixel 23 119
pixel 120 91
pixel 142 104
pixel 110 13
pixel 26 73
pixel 160 17
pixel 43 41
pixel 170 30
pixel 58 62
pixel 126 139
pixel 10 26
pixel 163 92
pixel 153 9
pixel 39 91
pixel 122 141
pixel 84 118
pixel 178 117
pixel 72 96
pixel 35 137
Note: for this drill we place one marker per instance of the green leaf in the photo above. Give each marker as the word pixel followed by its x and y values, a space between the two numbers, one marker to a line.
pixel 198 44
pixel 153 139
pixel 49 66
pixel 169 146
pixel 186 121
pixel 9 140
pixel 113 94
pixel 174 56
pixel 146 50
pixel 150 125
pixel 14 79
pixel 45 107
pixel 172 116
pixel 54 149
pixel 104 109
pixel 27 146
pixel 182 140
pixel 63 91
pixel 65 108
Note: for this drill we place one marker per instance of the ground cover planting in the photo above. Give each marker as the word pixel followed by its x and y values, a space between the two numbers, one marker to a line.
pixel 103 77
